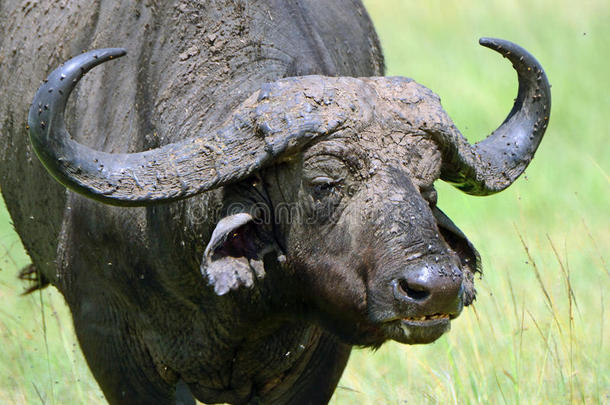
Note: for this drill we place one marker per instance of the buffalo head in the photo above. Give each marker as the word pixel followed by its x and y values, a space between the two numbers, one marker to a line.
pixel 333 178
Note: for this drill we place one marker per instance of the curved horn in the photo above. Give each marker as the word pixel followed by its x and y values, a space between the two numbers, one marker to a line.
pixel 495 163
pixel 271 122
pixel 168 173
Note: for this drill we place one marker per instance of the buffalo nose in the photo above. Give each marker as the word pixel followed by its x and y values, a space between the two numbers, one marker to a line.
pixel 432 289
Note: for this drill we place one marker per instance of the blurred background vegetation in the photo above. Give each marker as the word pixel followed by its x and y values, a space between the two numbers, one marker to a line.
pixel 538 332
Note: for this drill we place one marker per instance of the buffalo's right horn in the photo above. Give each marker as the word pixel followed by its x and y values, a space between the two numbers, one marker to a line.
pixel 253 136
pixel 168 173
pixel 494 163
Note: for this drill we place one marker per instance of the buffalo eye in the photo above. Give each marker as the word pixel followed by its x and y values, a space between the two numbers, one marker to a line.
pixel 323 186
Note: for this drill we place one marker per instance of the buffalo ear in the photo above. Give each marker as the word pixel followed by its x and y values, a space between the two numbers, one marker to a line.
pixel 234 254
pixel 469 257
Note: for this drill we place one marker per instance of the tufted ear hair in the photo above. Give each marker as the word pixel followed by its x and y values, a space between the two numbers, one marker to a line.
pixel 469 256
pixel 234 255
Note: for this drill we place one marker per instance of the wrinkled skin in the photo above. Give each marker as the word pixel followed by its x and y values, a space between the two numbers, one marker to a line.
pixel 225 295
pixel 367 225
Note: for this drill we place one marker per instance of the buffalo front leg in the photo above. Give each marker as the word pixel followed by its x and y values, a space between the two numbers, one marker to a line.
pixel 118 360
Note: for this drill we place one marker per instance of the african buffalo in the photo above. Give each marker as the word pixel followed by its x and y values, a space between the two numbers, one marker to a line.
pixel 252 196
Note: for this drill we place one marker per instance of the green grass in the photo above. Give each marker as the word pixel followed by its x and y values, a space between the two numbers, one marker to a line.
pixel 538 331
pixel 40 357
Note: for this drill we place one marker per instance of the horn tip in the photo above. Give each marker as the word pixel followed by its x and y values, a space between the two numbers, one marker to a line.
pixel 500 45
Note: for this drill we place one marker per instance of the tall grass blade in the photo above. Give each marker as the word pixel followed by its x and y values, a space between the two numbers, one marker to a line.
pixel 601 257
pixel 46 345
pixel 566 274
pixel 539 278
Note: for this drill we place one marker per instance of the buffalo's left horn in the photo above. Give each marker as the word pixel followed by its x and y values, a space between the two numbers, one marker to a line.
pixel 494 163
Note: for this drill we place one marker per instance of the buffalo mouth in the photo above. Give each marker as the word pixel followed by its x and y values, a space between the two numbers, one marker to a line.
pixel 419 329
pixel 425 318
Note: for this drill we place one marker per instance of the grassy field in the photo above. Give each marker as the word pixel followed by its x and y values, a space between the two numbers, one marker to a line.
pixel 538 332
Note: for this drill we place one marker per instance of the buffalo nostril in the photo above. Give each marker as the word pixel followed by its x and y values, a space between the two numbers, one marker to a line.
pixel 414 291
